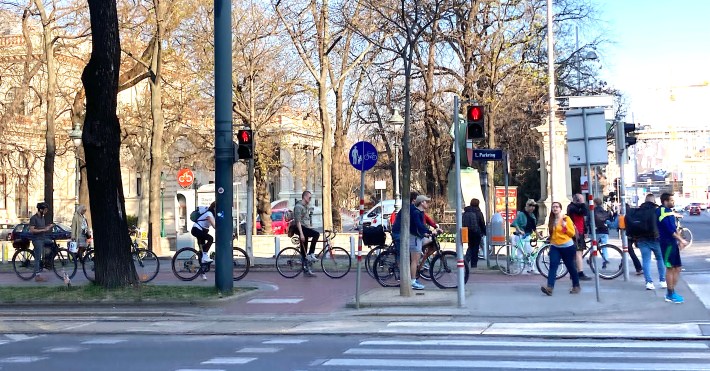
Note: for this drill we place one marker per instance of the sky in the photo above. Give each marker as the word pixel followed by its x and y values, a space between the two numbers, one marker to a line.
pixel 659 48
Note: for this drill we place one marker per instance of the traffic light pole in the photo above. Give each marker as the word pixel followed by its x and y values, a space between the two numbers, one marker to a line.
pixel 459 207
pixel 223 145
pixel 620 154
pixel 590 200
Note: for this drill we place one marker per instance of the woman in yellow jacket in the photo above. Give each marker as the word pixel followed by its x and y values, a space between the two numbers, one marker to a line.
pixel 562 245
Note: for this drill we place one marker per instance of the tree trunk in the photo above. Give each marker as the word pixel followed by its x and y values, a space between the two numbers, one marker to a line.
pixel 156 138
pixel 263 206
pixel 326 150
pixel 101 138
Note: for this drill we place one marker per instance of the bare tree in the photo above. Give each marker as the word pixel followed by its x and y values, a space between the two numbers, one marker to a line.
pixel 101 138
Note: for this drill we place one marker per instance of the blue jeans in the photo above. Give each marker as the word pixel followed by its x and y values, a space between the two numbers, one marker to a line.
pixel 603 239
pixel 568 255
pixel 647 247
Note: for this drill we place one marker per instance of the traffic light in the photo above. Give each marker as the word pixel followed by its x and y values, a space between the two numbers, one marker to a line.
pixel 475 119
pixel 629 134
pixel 245 144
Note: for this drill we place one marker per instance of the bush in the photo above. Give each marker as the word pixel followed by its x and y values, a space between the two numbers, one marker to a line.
pixel 132 220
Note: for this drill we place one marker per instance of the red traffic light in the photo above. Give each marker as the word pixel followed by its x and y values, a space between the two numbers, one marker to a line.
pixel 244 136
pixel 475 113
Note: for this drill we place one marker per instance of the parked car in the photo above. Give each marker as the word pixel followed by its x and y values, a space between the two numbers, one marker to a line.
pixel 20 235
pixel 379 213
pixel 279 222
pixel 5 230
pixel 694 209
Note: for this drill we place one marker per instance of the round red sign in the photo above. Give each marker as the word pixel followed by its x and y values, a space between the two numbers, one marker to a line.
pixel 185 177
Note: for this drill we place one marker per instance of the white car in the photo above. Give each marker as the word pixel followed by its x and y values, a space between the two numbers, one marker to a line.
pixel 379 213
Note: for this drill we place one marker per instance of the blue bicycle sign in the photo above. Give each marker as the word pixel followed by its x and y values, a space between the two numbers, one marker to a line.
pixel 363 156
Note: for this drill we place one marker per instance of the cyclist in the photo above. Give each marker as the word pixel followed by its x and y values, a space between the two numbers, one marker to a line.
pixel 305 231
pixel 38 230
pixel 201 229
pixel 525 223
pixel 427 242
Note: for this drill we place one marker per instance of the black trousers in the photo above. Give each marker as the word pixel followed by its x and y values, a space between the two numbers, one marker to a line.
pixel 634 258
pixel 203 238
pixel 311 234
pixel 474 245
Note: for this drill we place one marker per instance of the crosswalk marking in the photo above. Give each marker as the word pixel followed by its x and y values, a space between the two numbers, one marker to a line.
pixel 275 301
pixel 538 344
pixel 228 361
pixel 21 359
pixel 438 324
pixel 64 350
pixel 198 369
pixel 259 350
pixel 285 341
pixel 523 365
pixel 522 353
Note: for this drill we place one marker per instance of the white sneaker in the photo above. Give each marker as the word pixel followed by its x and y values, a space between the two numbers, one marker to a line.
pixel 206 258
pixel 416 285
pixel 311 257
pixel 649 286
pixel 664 285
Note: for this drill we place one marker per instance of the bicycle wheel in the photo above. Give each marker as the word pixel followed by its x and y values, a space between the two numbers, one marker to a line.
pixel 612 261
pixel 289 262
pixel 543 263
pixel 335 262
pixel 424 272
pixel 23 262
pixel 63 262
pixel 370 258
pixel 444 272
pixel 186 264
pixel 386 269
pixel 687 235
pixel 512 264
pixel 240 263
pixel 88 266
pixel 147 265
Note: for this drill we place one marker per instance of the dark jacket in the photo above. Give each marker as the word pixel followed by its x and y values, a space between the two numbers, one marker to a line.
pixel 578 213
pixel 416 223
pixel 650 205
pixel 473 220
pixel 600 218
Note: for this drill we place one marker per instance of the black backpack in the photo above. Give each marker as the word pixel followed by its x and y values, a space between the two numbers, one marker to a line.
pixel 641 222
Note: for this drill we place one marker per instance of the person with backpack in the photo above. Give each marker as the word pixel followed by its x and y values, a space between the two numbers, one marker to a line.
pixel 647 241
pixel 601 217
pixel 476 224
pixel 578 211
pixel 203 218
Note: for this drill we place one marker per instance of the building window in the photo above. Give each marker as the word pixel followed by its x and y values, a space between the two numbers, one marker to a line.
pixel 138 186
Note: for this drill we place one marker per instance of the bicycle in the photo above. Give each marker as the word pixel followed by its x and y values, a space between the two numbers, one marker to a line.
pixel 514 263
pixel 145 262
pixel 58 260
pixel 442 267
pixel 612 261
pixel 187 263
pixel 335 261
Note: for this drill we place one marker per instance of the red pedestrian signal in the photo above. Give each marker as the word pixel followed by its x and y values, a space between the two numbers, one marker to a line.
pixel 245 147
pixel 475 126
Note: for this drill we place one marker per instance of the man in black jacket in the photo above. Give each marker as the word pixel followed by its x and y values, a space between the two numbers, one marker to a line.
pixel 473 220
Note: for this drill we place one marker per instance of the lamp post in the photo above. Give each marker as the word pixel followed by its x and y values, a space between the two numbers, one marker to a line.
pixel 75 135
pixel 396 120
pixel 162 219
pixel 591 55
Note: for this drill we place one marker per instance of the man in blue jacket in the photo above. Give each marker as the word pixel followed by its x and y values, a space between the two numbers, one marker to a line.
pixel 671 244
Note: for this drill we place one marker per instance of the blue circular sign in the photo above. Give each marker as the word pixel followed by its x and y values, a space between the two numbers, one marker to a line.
pixel 363 156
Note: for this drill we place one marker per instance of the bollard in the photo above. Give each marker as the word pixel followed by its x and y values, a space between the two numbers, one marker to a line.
pixel 353 243
pixel 4 252
pixel 277 246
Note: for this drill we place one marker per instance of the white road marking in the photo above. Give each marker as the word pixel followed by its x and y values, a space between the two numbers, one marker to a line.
pixel 540 344
pixel 285 341
pixel 259 350
pixel 523 365
pixel 64 350
pixel 19 337
pixel 198 369
pixel 106 341
pixel 438 324
pixel 525 353
pixel 21 359
pixel 79 325
pixel 275 301
pixel 228 361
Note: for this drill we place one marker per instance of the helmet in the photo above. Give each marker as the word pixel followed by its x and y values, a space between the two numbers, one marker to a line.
pixel 42 205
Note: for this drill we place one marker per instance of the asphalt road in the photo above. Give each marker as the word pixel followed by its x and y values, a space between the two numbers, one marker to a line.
pixel 197 353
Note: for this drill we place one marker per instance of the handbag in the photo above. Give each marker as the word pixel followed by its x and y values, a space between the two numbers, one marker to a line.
pixel 73 247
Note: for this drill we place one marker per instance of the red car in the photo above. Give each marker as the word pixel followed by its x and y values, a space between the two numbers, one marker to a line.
pixel 694 210
pixel 279 221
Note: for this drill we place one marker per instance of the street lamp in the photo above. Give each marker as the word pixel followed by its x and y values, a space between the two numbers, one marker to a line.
pixel 591 55
pixel 162 219
pixel 396 120
pixel 75 135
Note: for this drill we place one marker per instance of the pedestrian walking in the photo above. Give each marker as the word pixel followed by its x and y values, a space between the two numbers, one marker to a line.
pixel 80 232
pixel 562 246
pixel 578 212
pixel 474 221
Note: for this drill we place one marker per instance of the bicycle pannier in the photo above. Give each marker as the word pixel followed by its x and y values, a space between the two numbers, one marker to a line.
pixel 373 236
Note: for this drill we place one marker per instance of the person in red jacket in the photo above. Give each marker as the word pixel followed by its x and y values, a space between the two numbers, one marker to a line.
pixel 578 211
